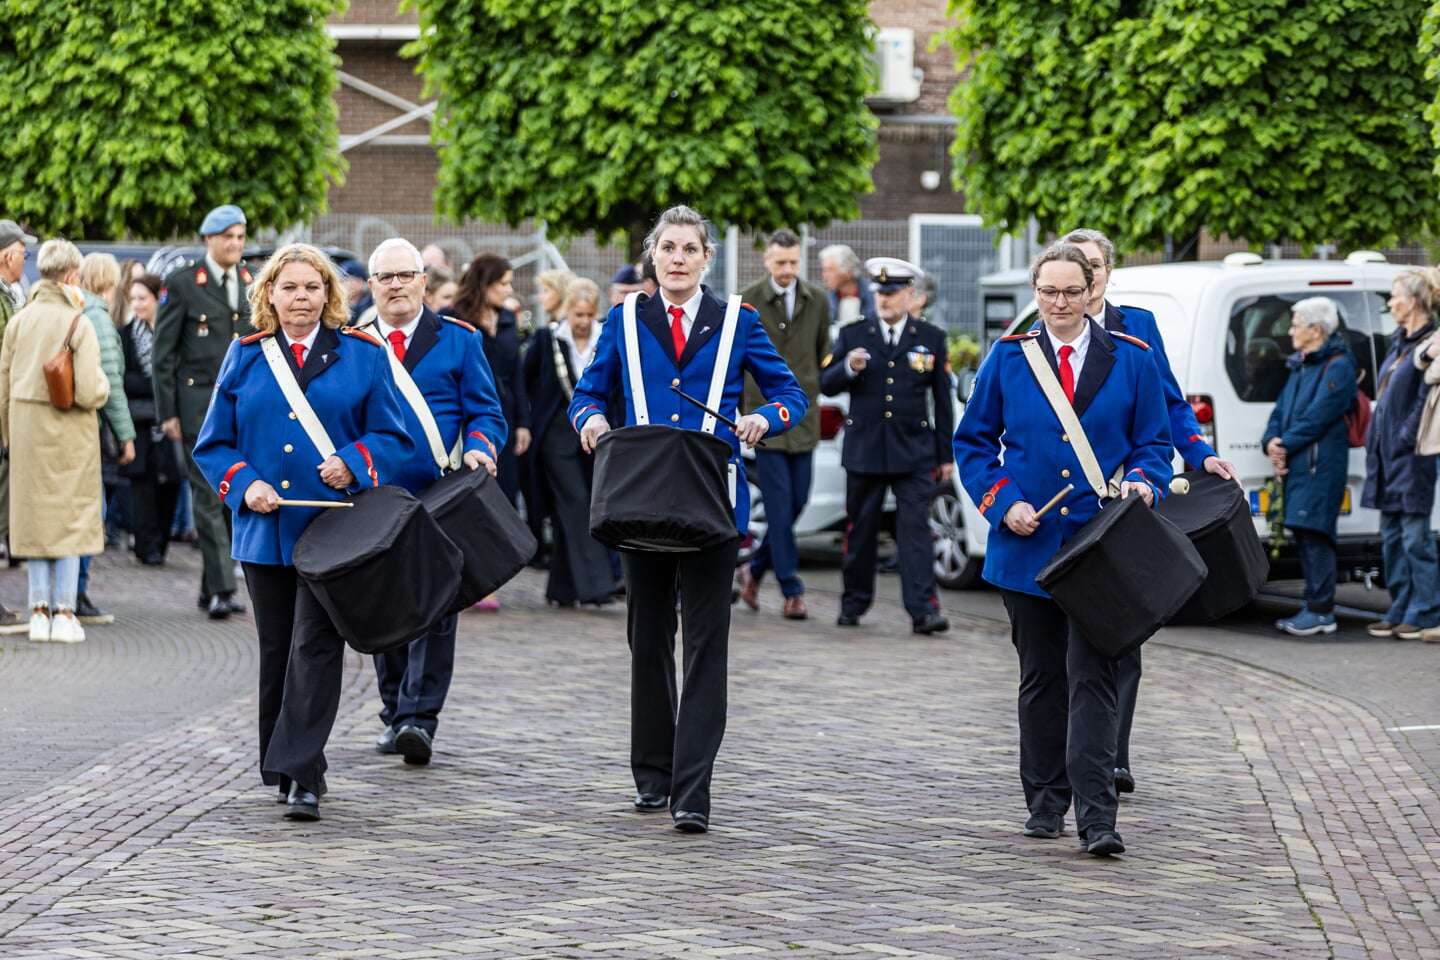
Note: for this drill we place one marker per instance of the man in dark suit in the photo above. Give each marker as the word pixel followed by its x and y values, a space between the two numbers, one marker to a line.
pixel 797 318
pixel 203 306
pixel 897 436
pixel 444 360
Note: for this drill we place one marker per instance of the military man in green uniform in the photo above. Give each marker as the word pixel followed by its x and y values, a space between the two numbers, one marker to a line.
pixel 203 306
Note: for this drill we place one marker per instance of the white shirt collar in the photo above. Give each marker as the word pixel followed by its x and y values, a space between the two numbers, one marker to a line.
pixel 409 329
pixel 691 308
pixel 1080 343
pixel 308 341
pixel 892 333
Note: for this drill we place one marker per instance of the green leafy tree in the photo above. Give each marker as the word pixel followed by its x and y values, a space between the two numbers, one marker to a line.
pixel 596 116
pixel 1262 119
pixel 134 118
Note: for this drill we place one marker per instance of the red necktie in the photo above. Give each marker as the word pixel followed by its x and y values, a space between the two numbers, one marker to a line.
pixel 397 342
pixel 677 329
pixel 1067 375
pixel 299 350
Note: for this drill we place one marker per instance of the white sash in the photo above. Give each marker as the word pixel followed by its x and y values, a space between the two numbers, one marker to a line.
pixel 296 397
pixel 411 392
pixel 638 401
pixel 1050 385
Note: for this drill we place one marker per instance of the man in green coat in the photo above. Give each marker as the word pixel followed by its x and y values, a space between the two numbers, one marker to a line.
pixel 203 306
pixel 796 315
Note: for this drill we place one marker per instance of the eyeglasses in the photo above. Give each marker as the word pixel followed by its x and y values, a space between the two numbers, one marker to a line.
pixel 404 276
pixel 1056 294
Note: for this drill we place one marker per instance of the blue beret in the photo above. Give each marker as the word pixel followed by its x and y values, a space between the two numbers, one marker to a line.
pixel 220 219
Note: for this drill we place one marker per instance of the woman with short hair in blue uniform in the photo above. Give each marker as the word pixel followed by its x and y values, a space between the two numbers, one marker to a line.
pixel 673 741
pixel 1067 700
pixel 254 449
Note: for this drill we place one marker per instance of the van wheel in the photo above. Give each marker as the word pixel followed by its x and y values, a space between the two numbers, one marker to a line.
pixel 955 569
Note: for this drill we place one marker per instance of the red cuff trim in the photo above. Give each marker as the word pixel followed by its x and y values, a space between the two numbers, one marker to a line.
pixel 1195 437
pixel 369 464
pixel 988 501
pixel 784 416
pixel 480 436
pixel 224 487
pixel 576 421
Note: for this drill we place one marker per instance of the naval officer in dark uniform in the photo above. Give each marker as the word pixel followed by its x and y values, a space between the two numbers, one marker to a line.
pixel 897 435
pixel 204 305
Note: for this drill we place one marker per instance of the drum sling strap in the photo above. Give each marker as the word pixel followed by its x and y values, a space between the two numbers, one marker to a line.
pixel 638 402
pixel 1050 386
pixel 296 397
pixel 408 389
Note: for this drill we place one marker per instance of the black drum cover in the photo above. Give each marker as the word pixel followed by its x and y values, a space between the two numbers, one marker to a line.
pixel 1123 576
pixel 473 512
pixel 382 569
pixel 661 489
pixel 1215 515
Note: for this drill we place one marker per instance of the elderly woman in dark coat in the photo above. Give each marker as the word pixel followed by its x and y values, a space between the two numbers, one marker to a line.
pixel 1307 444
pixel 1398 481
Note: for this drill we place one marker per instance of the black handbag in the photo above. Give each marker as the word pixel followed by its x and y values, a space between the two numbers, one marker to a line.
pixel 1215 515
pixel 382 569
pixel 494 543
pixel 1123 575
pixel 662 489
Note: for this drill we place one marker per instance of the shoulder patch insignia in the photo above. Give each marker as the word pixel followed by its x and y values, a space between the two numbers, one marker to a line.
pixel 458 322
pixel 164 295
pixel 244 275
pixel 1135 340
pixel 361 335
pixel 255 338
pixel 201 278
pixel 1024 336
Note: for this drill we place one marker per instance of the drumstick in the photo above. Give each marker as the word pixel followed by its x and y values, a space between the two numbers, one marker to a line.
pixel 1054 500
pixel 315 503
pixel 718 416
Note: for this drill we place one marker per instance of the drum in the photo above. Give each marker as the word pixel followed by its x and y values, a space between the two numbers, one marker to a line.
pixel 1123 576
pixel 382 569
pixel 494 542
pixel 1215 515
pixel 662 489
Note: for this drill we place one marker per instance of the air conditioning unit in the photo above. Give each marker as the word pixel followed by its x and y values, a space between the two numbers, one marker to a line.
pixel 895 54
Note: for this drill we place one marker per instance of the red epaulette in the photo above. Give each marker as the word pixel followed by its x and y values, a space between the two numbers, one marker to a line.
pixel 458 322
pixel 1021 336
pixel 747 306
pixel 254 337
pixel 361 335
pixel 1135 340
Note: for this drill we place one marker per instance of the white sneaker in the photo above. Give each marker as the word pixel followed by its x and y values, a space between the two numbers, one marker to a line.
pixel 64 628
pixel 39 627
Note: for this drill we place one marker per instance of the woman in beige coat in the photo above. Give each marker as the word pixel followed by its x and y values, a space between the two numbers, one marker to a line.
pixel 54 454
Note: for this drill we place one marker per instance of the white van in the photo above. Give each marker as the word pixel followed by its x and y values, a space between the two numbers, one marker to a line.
pixel 1225 326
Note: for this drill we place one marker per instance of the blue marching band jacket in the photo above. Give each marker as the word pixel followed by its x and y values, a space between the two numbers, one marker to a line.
pixel 251 433
pixel 447 362
pixel 1121 405
pixel 753 353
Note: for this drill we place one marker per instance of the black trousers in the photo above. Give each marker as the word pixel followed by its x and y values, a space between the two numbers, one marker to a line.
pixel 301 662
pixel 212 527
pixel 864 502
pixel 1127 689
pixel 1067 712
pixel 152 505
pixel 674 739
pixel 580 570
pixel 414 680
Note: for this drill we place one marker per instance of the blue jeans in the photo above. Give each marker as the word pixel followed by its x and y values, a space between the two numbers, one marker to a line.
pixel 1412 571
pixel 52 582
pixel 1317 563
pixel 184 519
pixel 784 481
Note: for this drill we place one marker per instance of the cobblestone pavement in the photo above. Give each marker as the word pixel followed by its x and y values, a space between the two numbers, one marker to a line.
pixel 866 805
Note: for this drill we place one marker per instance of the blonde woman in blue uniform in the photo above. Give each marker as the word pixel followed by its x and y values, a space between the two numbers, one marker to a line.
pixel 253 451
pixel 1067 700
pixel 674 739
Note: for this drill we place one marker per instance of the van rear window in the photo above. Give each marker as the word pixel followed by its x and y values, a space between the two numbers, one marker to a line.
pixel 1257 342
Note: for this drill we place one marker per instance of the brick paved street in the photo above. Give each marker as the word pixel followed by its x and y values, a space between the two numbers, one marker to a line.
pixel 867 805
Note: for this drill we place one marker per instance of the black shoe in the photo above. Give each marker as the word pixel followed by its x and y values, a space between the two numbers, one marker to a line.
pixel 219 609
pixel 1124 781
pixel 1045 825
pixel 933 623
pixel 235 605
pixel 283 796
pixel 153 560
pixel 688 822
pixel 12 618
pixel 301 804
pixel 651 802
pixel 848 620
pixel 1101 841
pixel 385 743
pixel 413 743
pixel 87 612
